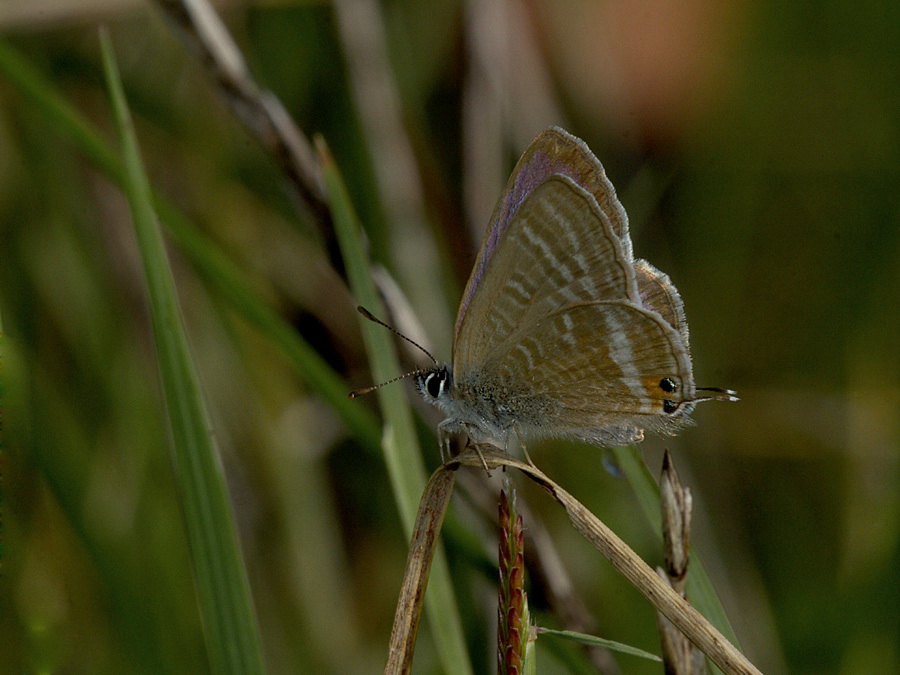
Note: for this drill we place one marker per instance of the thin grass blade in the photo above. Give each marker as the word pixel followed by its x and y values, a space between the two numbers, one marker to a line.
pixel 222 275
pixel 223 591
pixel 595 641
pixel 400 444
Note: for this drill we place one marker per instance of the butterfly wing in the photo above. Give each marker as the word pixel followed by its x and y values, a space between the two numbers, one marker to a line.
pixel 572 337
pixel 532 274
pixel 557 151
pixel 658 294
pixel 553 151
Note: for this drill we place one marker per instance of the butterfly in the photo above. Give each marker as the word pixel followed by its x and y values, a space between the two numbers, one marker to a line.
pixel 561 332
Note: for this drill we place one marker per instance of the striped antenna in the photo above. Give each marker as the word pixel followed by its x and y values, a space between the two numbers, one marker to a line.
pixel 366 313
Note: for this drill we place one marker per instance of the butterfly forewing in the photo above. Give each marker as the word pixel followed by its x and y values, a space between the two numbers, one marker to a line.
pixel 554 151
pixel 558 250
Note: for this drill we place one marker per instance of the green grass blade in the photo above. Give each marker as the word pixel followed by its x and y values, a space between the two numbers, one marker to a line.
pixel 230 283
pixel 223 591
pixel 221 274
pixel 595 641
pixel 400 444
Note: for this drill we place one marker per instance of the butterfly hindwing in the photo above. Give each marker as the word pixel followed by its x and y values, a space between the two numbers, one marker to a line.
pixel 659 294
pixel 591 371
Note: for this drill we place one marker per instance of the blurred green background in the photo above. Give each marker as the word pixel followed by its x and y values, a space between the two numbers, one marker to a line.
pixel 756 147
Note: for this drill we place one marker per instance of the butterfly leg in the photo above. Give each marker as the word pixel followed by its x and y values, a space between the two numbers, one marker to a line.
pixel 522 445
pixel 445 432
pixel 472 433
pixel 477 449
pixel 450 426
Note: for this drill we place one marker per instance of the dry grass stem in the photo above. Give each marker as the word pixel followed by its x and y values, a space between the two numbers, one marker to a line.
pixel 567 604
pixel 675 608
pixel 432 508
pixel 547 569
pixel 361 26
pixel 259 110
pixel 679 655
pixel 431 512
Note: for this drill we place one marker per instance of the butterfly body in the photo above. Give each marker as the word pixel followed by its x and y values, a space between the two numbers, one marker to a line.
pixel 485 408
pixel 561 332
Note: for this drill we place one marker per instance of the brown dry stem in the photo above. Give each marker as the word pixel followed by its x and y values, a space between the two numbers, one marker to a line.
pixel 679 655
pixel 431 512
pixel 432 508
pixel 261 112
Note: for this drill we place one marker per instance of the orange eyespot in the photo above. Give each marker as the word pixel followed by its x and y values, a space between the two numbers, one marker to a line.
pixel 667 384
pixel 657 387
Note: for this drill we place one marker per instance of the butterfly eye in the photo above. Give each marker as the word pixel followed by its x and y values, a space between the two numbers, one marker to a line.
pixel 667 384
pixel 669 407
pixel 434 383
